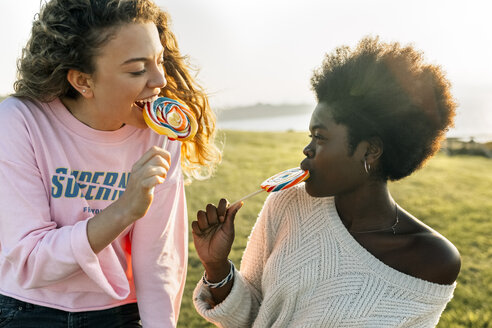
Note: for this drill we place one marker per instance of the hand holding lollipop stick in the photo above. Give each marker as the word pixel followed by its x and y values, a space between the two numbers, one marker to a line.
pixel 170 118
pixel 279 181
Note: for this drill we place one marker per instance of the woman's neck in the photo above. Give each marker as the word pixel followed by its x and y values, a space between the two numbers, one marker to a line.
pixel 86 112
pixel 78 108
pixel 368 208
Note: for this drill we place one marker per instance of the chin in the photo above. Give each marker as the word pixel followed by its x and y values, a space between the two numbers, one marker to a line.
pixel 315 192
pixel 310 190
pixel 137 119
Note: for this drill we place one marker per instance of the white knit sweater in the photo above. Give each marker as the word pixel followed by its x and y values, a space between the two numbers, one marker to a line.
pixel 302 268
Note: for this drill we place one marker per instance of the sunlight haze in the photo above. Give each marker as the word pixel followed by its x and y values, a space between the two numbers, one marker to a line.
pixel 259 51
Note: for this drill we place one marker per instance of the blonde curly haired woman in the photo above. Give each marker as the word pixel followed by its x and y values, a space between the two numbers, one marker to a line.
pixel 93 228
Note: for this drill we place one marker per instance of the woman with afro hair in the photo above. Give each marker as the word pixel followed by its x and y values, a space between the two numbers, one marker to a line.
pixel 337 250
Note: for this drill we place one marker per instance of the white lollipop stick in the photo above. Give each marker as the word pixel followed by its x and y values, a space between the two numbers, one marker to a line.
pixel 279 181
pixel 164 143
pixel 247 196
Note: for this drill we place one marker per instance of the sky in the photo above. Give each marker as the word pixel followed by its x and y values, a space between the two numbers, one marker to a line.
pixel 264 51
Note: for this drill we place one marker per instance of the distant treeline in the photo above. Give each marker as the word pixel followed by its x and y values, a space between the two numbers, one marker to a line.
pixel 263 110
pixel 455 146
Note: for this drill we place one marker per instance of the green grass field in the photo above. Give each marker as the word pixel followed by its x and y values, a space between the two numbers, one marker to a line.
pixel 451 194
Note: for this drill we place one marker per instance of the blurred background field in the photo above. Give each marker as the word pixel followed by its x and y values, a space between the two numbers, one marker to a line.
pixel 452 194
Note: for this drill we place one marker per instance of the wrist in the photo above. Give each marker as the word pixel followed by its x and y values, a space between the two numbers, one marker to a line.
pixel 121 213
pixel 216 271
pixel 207 281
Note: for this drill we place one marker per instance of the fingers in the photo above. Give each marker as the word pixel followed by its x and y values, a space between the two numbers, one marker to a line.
pixel 151 169
pixel 210 216
pixel 195 227
pixel 231 215
pixel 152 181
pixel 201 219
pixel 201 227
pixel 148 172
pixel 154 174
pixel 213 216
pixel 235 207
pixel 221 210
pixel 158 155
pixel 156 165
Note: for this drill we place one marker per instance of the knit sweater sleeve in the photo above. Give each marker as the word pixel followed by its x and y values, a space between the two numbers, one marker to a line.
pixel 241 306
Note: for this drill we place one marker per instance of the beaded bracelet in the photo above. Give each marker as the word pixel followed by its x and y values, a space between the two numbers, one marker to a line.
pixel 220 283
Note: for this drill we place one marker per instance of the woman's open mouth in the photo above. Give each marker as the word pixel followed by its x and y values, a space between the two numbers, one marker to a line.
pixel 141 103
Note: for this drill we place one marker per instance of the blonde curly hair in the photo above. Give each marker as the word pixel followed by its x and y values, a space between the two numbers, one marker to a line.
pixel 68 34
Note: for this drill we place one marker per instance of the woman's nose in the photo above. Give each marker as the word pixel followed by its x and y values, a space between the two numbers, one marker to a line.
pixel 158 79
pixel 308 151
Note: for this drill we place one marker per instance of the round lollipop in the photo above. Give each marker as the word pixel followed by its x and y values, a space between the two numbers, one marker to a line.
pixel 171 118
pixel 284 180
pixel 280 181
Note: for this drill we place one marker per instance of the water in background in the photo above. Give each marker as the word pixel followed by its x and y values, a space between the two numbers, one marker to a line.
pixel 276 123
pixel 300 122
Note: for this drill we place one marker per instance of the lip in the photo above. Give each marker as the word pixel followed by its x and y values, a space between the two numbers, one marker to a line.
pixel 304 167
pixel 141 102
pixel 137 106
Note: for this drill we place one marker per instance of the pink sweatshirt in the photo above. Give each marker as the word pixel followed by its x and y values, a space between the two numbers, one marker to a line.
pixel 55 174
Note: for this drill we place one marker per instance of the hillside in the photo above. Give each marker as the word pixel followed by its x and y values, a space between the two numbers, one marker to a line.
pixel 263 111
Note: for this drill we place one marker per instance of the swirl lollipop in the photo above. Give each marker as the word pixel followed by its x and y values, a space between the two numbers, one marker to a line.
pixel 280 181
pixel 171 118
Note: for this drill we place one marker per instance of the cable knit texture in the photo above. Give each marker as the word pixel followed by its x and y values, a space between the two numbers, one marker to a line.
pixel 302 268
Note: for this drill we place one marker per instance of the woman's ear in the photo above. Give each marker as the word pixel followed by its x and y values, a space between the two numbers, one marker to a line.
pixel 80 82
pixel 374 150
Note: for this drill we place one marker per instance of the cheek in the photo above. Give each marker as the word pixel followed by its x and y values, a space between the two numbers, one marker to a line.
pixel 122 94
pixel 122 85
pixel 333 175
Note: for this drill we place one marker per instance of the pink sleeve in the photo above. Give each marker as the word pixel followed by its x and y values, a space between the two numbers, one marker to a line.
pixel 159 253
pixel 36 251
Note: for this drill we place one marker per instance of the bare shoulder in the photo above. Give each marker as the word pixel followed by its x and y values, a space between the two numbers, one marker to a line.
pixel 416 250
pixel 435 258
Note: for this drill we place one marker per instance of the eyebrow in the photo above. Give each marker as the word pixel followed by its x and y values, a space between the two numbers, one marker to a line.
pixel 132 60
pixel 318 126
pixel 139 59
